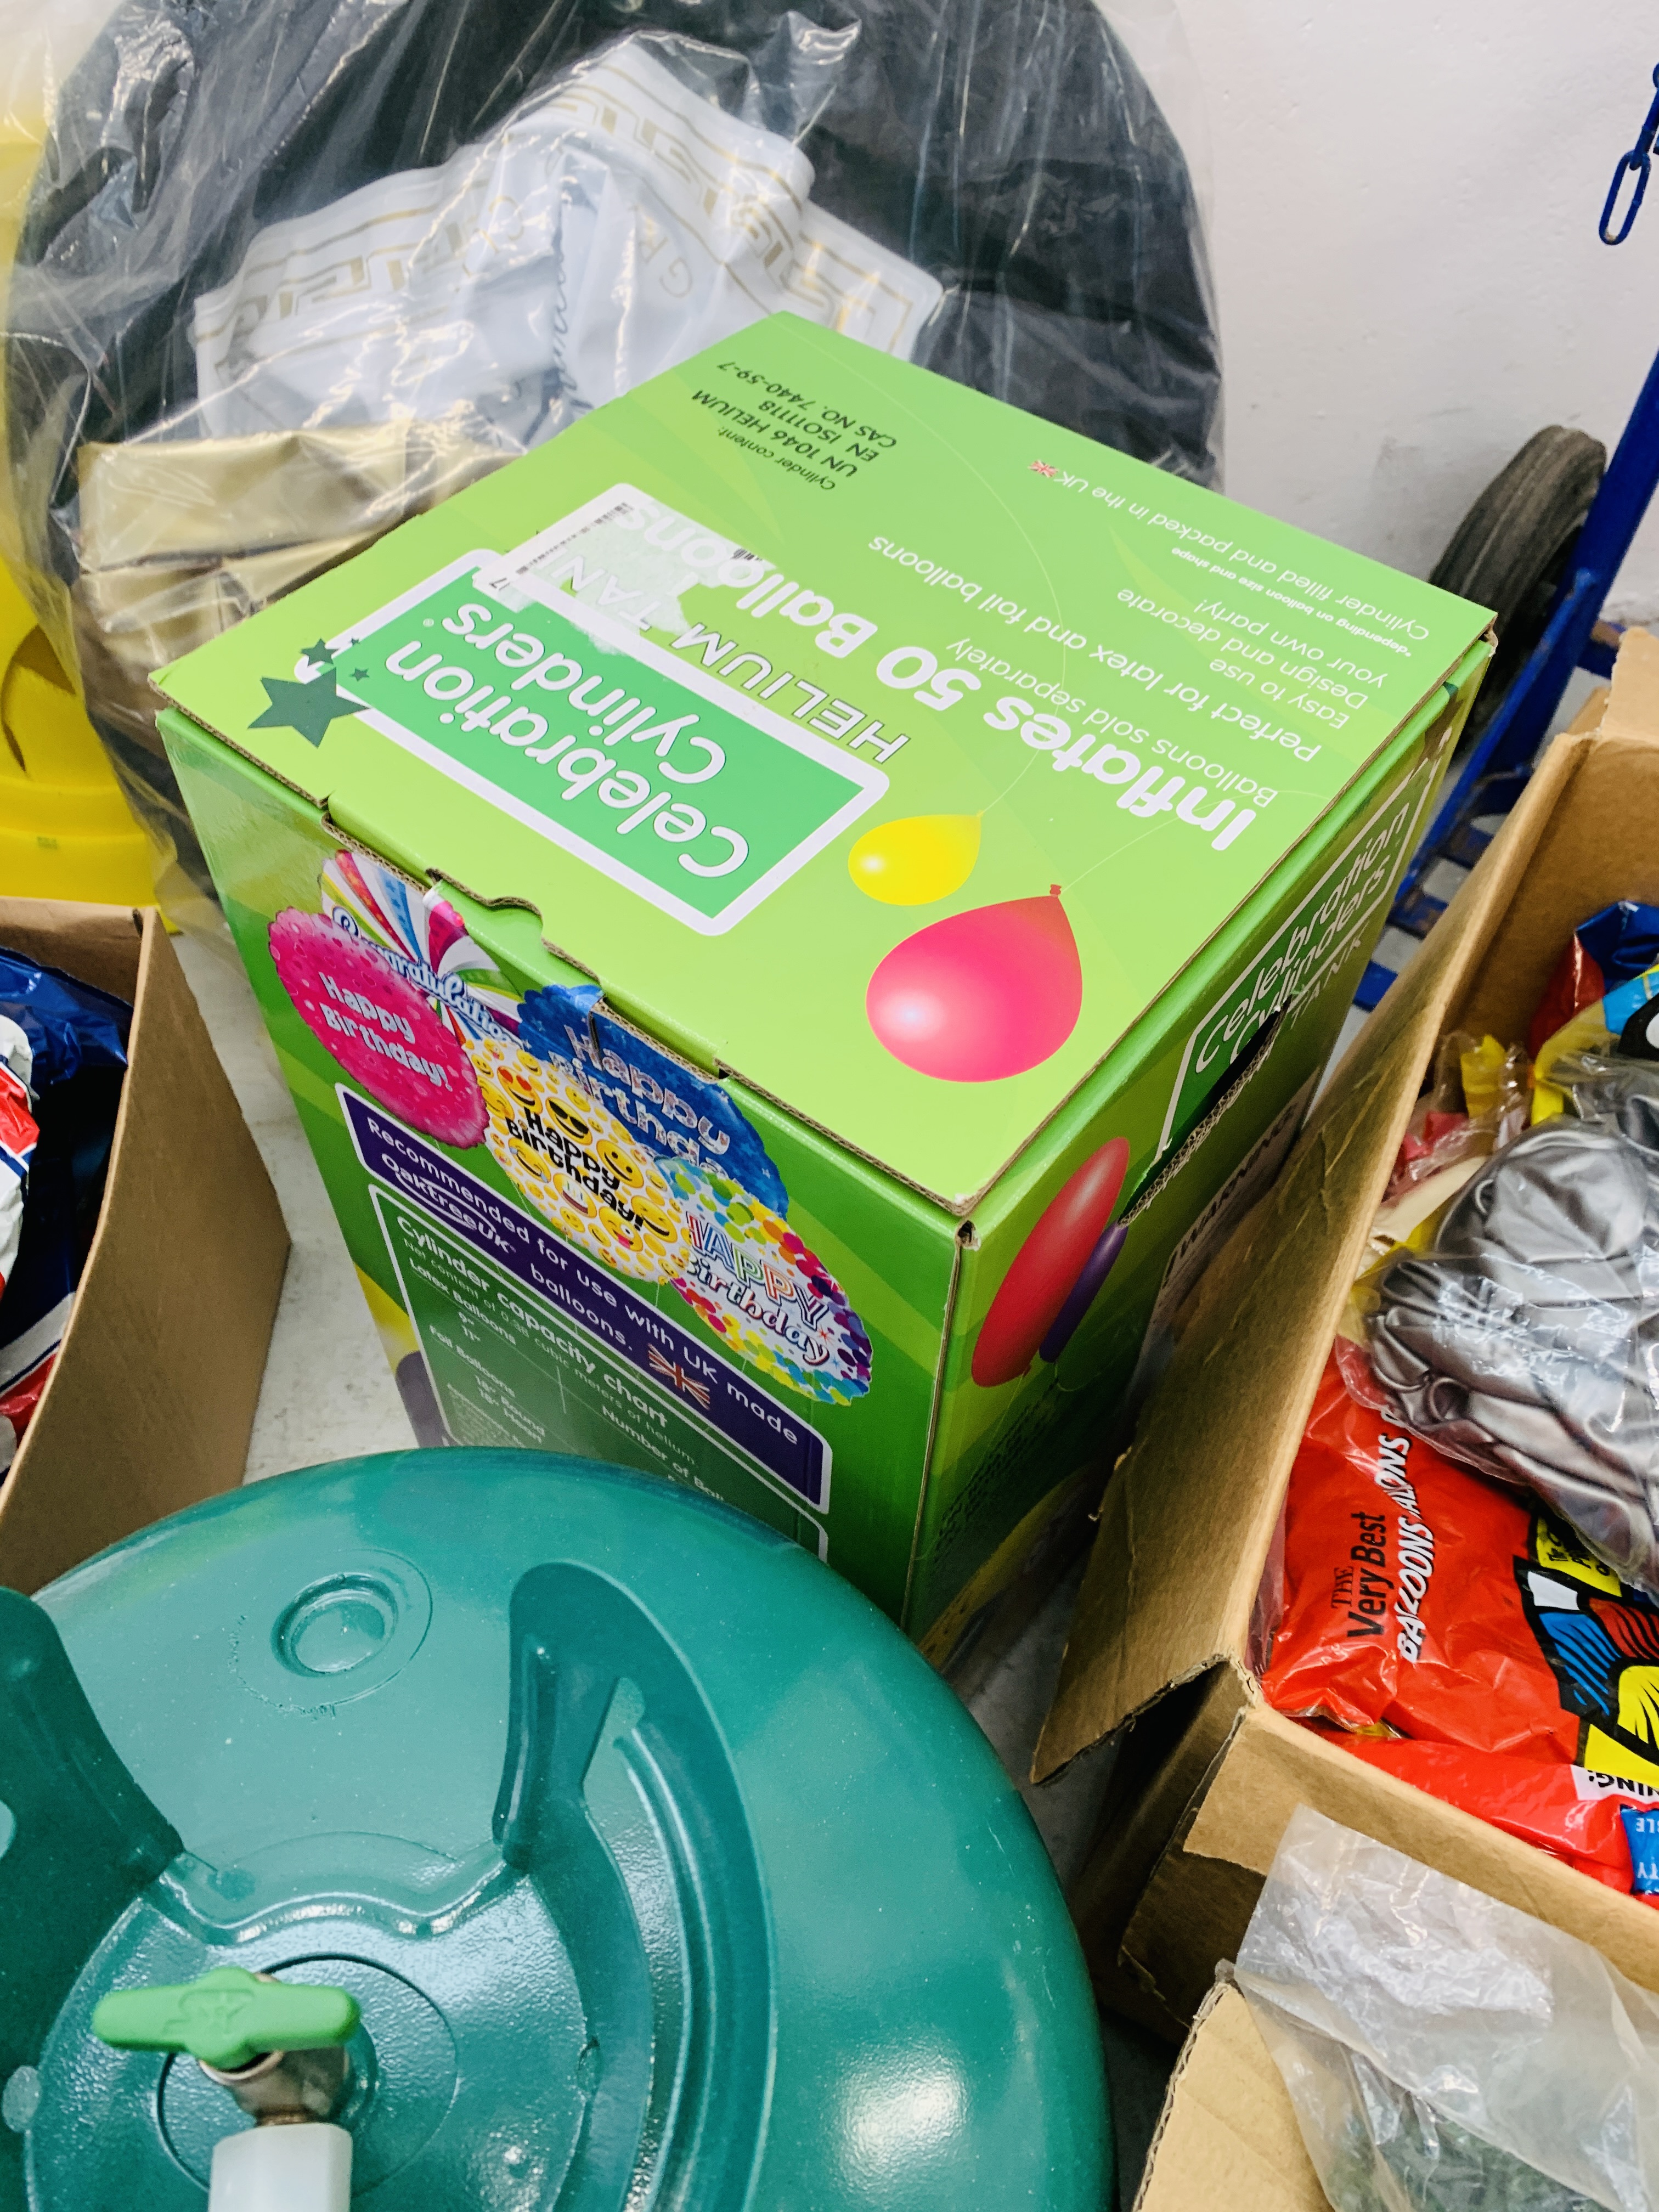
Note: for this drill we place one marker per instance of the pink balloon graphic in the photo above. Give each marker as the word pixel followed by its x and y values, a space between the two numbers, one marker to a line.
pixel 981 995
pixel 380 1030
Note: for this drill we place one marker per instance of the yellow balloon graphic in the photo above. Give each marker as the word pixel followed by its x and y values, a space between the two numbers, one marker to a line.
pixel 912 862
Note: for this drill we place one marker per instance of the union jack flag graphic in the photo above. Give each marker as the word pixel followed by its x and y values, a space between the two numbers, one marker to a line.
pixel 671 1372
pixel 1044 469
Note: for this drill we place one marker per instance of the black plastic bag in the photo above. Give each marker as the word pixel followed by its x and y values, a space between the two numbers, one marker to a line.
pixel 1011 154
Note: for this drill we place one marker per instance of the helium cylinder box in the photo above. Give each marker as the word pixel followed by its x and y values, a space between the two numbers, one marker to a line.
pixel 796 914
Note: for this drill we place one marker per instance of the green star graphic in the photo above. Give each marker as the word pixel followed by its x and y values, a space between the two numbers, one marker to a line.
pixel 308 707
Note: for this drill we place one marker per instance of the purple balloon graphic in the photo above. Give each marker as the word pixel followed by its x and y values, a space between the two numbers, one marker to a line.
pixel 1084 1291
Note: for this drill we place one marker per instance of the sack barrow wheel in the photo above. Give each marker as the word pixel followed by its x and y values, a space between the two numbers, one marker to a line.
pixel 1509 550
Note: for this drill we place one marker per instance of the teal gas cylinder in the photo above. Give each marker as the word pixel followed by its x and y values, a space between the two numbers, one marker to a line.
pixel 621 1854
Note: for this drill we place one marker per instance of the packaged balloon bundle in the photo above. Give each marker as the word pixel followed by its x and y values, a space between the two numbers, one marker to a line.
pixel 63 1054
pixel 1460 1636
pixel 1463 1593
pixel 1516 1323
pixel 1477 1101
pixel 289 274
pixel 1479 1095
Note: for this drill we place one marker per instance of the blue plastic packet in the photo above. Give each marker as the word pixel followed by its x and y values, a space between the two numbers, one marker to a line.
pixel 1623 940
pixel 1612 947
pixel 69 1024
pixel 63 1057
pixel 1642 1827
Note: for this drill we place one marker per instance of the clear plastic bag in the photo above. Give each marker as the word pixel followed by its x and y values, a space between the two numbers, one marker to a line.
pixel 38 51
pixel 1476 1103
pixel 1442 2050
pixel 289 273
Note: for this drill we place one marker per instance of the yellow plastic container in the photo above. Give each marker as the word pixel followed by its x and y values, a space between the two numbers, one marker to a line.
pixel 65 831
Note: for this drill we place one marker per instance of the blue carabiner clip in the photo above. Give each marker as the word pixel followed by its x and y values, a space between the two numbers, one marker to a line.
pixel 1639 163
pixel 1642 166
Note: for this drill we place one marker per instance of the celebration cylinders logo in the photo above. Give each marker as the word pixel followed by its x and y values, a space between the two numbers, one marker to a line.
pixel 698 799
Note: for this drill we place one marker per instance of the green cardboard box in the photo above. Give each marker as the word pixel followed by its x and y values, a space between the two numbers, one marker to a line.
pixel 794 917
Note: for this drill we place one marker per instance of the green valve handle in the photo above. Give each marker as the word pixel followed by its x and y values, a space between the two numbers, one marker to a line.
pixel 228 2019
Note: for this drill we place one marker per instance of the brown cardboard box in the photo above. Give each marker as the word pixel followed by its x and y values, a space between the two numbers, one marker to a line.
pixel 1207 1776
pixel 1228 2133
pixel 151 1402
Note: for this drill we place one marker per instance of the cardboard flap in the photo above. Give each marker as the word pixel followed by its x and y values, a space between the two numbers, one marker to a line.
pixel 1602 846
pixel 1275 1764
pixel 99 944
pixel 1188 1519
pixel 1157 1772
pixel 1633 709
pixel 150 1404
pixel 1228 2134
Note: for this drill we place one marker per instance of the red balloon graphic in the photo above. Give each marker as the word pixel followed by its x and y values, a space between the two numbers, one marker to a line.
pixel 1048 1264
pixel 981 995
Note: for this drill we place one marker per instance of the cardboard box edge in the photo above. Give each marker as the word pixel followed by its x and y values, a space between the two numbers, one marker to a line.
pixel 1275 2175
pixel 1099 1687
pixel 37 1542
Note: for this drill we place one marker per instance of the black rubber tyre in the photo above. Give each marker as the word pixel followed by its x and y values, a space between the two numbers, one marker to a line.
pixel 1509 551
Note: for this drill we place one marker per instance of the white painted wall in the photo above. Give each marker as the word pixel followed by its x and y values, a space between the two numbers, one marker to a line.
pixel 1405 196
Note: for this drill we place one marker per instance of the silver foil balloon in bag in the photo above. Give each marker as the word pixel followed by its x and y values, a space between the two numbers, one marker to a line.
pixel 1525 1342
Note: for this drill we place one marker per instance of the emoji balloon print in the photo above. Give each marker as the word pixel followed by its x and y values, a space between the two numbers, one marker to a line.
pixel 981 995
pixel 578 1166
